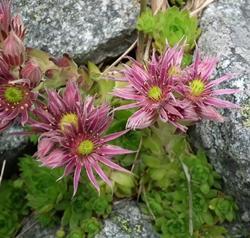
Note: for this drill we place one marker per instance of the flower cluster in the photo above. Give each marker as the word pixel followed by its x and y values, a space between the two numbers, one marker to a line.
pixel 162 89
pixel 71 130
pixel 18 75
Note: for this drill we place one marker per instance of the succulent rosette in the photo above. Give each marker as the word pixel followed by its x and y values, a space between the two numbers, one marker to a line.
pixel 72 135
pixel 152 87
pixel 197 88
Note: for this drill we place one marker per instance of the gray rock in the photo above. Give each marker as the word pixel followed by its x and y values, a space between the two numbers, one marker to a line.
pixel 226 34
pixel 11 147
pixel 32 229
pixel 86 29
pixel 126 221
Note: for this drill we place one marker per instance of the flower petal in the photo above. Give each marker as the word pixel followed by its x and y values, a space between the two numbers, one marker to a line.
pixel 218 81
pixel 142 119
pixel 207 67
pixel 69 167
pixel 113 136
pixel 91 175
pixel 111 164
pixel 126 93
pixel 24 117
pixel 219 103
pixel 112 150
pixel 4 125
pixel 127 106
pixel 77 174
pixel 208 112
pixel 44 147
pixel 226 91
pixel 71 94
pixel 101 173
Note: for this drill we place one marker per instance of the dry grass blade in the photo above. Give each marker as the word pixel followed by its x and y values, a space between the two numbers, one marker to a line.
pixel 121 57
pixel 2 171
pixel 26 230
pixel 146 53
pixel 190 198
pixel 147 203
pixel 137 155
pixel 159 5
pixel 196 6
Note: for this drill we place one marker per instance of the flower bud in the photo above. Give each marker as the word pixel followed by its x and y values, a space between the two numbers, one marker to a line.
pixel 5 16
pixel 32 71
pixel 63 61
pixel 18 26
pixel 13 50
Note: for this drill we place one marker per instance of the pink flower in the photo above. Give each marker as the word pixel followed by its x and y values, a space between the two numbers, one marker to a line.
pixel 13 50
pixel 151 86
pixel 197 88
pixel 16 97
pixel 16 100
pixel 80 143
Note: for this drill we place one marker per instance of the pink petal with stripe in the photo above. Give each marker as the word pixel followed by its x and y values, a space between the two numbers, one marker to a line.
pixel 219 103
pixel 101 173
pixel 77 174
pixel 211 114
pixel 91 175
pixel 142 119
pixel 225 91
pixel 113 136
pixel 112 165
pixel 112 150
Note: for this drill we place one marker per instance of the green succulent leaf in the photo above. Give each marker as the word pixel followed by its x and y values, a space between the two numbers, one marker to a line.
pixel 172 26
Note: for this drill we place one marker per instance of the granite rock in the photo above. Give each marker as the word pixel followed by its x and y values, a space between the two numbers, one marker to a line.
pixel 85 29
pixel 126 221
pixel 11 147
pixel 226 34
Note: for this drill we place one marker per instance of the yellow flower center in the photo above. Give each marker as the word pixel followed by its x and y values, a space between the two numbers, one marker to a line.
pixel 67 120
pixel 13 95
pixel 197 87
pixel 86 147
pixel 174 71
pixel 155 93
